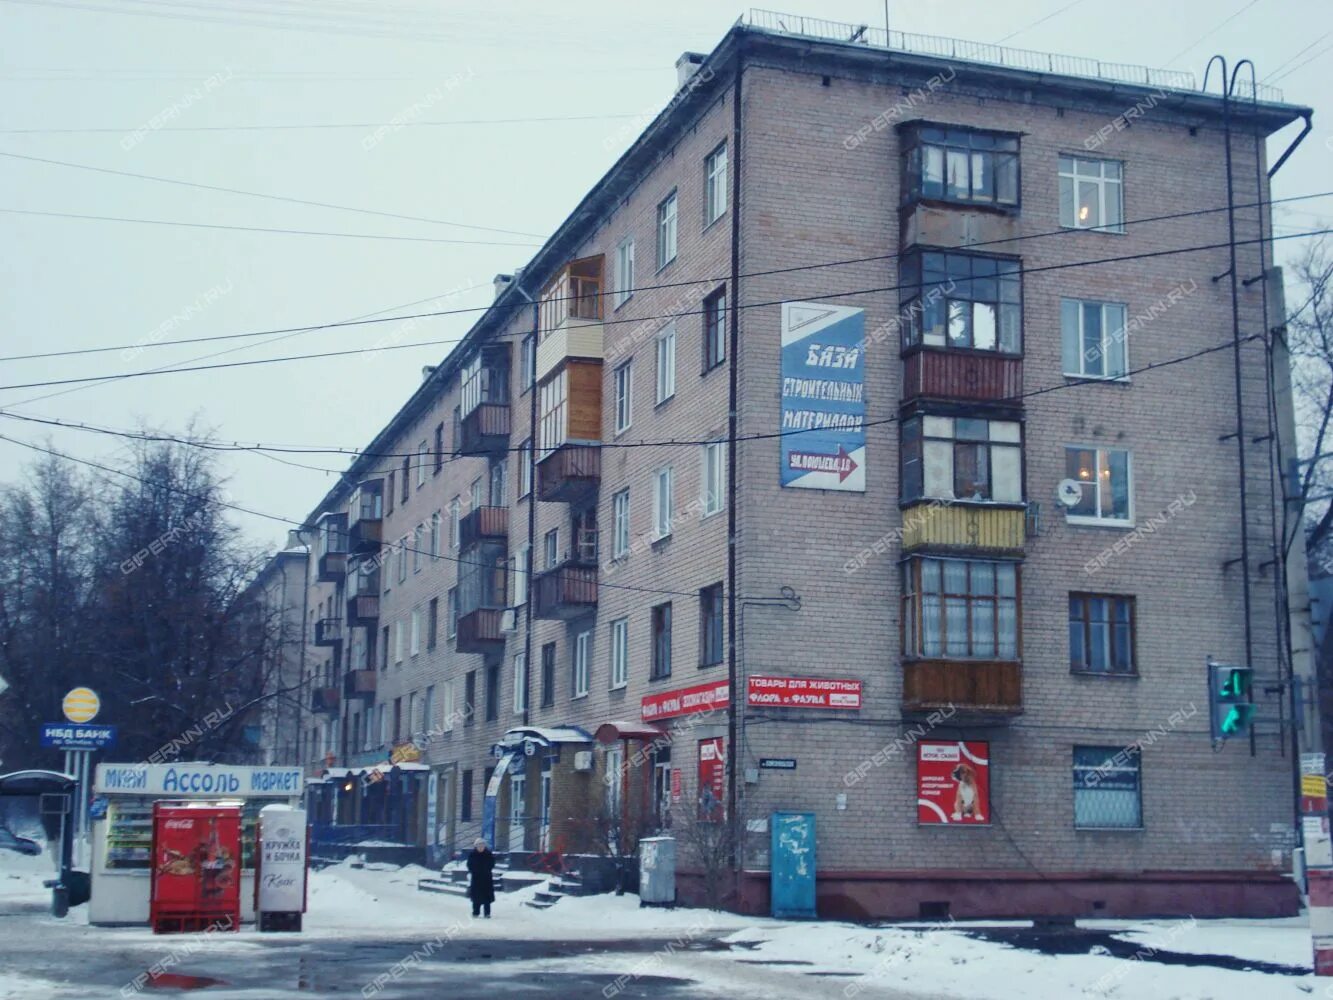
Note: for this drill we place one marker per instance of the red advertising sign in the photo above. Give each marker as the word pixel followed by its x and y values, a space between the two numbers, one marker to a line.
pixel 953 783
pixel 685 701
pixel 712 778
pixel 675 784
pixel 196 874
pixel 803 692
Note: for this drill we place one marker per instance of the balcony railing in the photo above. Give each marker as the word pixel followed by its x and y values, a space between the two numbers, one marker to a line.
pixel 359 684
pixel 483 524
pixel 569 473
pixel 328 632
pixel 485 430
pixel 930 373
pixel 973 687
pixel 945 526
pixel 567 591
pixel 324 699
pixel 479 631
pixel 332 566
pixel 363 609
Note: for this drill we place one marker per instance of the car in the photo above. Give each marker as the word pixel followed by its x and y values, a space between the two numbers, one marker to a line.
pixel 10 841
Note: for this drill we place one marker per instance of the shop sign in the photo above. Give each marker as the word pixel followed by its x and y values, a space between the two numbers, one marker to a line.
pixel 803 692
pixel 208 780
pixel 953 783
pixel 685 701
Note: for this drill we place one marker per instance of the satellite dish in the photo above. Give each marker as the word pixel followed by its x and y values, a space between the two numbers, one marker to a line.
pixel 1069 492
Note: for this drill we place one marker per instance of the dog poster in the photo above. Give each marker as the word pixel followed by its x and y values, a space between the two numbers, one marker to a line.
pixel 953 783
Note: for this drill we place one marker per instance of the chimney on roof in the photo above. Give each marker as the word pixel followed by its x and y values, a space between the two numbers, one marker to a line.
pixel 427 372
pixel 501 282
pixel 686 66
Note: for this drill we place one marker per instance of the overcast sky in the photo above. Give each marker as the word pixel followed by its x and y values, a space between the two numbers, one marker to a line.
pixel 115 69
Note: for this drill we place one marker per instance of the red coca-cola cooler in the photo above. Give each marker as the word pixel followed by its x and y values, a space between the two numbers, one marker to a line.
pixel 196 868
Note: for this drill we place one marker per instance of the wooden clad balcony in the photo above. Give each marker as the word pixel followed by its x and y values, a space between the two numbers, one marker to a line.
pixel 567 591
pixel 331 547
pixel 329 632
pixel 363 610
pixel 485 430
pixel 365 535
pixel 325 700
pixel 974 687
pixel 365 512
pixel 359 684
pixel 483 524
pixel 479 631
pixel 932 373
pixel 569 473
pixel 943 526
pixel 332 566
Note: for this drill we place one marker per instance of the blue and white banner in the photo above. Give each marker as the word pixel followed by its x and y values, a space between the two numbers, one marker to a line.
pixel 823 397
pixel 77 736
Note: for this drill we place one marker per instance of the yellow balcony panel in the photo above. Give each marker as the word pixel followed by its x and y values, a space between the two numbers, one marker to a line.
pixel 573 338
pixel 964 527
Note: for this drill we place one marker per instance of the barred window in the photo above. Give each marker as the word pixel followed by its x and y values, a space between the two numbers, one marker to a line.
pixel 1107 788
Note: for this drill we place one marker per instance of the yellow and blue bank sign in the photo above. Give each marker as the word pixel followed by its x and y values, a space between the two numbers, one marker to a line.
pixel 823 397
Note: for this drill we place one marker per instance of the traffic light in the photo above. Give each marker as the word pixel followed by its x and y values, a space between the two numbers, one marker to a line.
pixel 1229 702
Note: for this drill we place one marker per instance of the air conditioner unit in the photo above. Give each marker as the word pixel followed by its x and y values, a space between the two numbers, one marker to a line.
pixel 583 760
pixel 509 620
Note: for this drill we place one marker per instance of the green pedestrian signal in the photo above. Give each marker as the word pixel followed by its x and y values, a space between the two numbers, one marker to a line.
pixel 1229 699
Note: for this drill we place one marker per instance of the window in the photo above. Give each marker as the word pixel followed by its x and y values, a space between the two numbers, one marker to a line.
pixel 469 697
pixel 428 709
pixel 402 558
pixel 624 272
pixel 435 536
pixel 714 477
pixel 389 495
pixel 666 364
pixel 455 516
pixel 418 547
pixel 960 609
pixel 492 692
pixel 620 525
pixel 439 446
pixel 551 406
pixel 384 640
pixel 432 622
pixel 413 705
pixel 525 468
pixel 522 571
pixel 1101 634
pixel 666 231
pixel 458 428
pixel 476 494
pixel 496 492
pixel 962 458
pixel 1104 475
pixel 1090 194
pixel 715 328
pixel 661 642
pixel 520 683
pixel 1107 792
pixel 710 625
pixel 961 165
pixel 615 779
pixel 1093 336
pixel 528 361
pixel 715 185
pixel 423 449
pixel 453 612
pixel 548 675
pixel 398 641
pixel 397 719
pixel 450 709
pixel 407 472
pixel 582 658
pixel 961 300
pixel 415 645
pixel 662 510
pixel 624 400
pixel 620 652
pixel 551 548
pixel 465 796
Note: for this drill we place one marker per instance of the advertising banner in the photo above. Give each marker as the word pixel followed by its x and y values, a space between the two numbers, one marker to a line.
pixel 953 783
pixel 77 736
pixel 196 862
pixel 208 780
pixel 282 860
pixel 712 779
pixel 803 692
pixel 823 397
pixel 685 701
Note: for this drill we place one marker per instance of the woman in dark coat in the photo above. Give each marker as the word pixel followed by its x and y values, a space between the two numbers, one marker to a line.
pixel 481 884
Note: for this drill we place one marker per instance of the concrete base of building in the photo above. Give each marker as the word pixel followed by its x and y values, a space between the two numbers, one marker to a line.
pixel 980 895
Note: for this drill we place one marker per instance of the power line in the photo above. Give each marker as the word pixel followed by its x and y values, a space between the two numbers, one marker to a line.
pixel 446 123
pixel 258 194
pixel 1022 271
pixel 260 229
pixel 1287 62
pixel 1211 31
pixel 1040 20
pixel 640 288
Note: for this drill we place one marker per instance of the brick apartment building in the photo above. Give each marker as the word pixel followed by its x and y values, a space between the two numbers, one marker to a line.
pixel 919 625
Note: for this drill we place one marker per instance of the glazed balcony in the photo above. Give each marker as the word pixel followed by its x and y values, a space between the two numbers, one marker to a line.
pixel 954 526
pixel 982 688
pixel 329 632
pixel 484 524
pixel 567 591
pixel 484 401
pixel 363 601
pixel 980 376
pixel 479 631
pixel 571 316
pixel 569 473
pixel 331 547
pixel 324 700
pixel 365 518
pixel 485 430
pixel 359 684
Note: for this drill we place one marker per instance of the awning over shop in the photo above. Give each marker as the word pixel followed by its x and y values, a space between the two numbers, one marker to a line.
pixel 339 773
pixel 544 737
pixel 610 732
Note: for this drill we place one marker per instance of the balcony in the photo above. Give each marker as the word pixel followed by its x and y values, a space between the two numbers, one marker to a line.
pixel 329 632
pixel 987 688
pixel 571 316
pixel 484 524
pixel 324 700
pixel 331 547
pixel 567 591
pixel 479 631
pixel 485 430
pixel 363 610
pixel 359 684
pixel 569 474
pixel 965 375
pixel 956 227
pixel 365 525
pixel 955 526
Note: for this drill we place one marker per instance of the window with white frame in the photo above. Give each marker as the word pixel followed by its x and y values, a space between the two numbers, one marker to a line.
pixel 455 518
pixel 624 272
pixel 520 683
pixel 415 646
pixel 418 547
pixel 620 525
pixel 619 652
pixel 428 709
pixel 402 559
pixel 522 570
pixel 552 404
pixel 624 396
pixel 496 495
pixel 1104 475
pixel 714 477
pixel 423 449
pixel 528 361
pixel 666 231
pixel 1093 338
pixel 551 549
pixel 448 705
pixel 435 535
pixel 961 458
pixel 663 514
pixel 398 641
pixel 715 184
pixel 666 363
pixel 1091 194
pixel 525 468
pixel 582 653
pixel 453 612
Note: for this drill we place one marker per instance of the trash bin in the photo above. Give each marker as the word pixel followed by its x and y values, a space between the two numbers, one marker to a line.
pixel 59 900
pixel 657 871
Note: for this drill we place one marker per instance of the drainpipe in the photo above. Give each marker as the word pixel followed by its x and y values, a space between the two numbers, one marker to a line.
pixel 532 501
pixel 305 617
